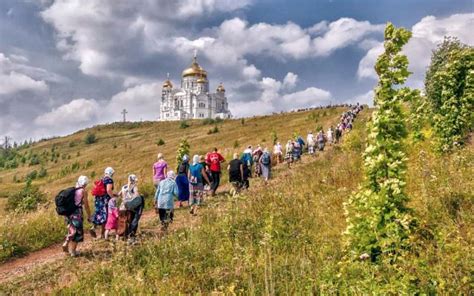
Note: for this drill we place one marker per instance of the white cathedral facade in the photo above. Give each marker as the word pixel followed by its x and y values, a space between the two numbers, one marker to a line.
pixel 193 100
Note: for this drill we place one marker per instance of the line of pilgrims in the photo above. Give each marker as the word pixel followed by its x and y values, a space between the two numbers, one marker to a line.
pixel 193 179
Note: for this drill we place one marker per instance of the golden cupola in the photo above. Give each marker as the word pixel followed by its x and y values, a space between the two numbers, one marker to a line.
pixel 168 83
pixel 195 70
pixel 220 88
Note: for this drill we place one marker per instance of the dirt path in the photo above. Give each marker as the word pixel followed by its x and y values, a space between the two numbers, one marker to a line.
pixel 16 271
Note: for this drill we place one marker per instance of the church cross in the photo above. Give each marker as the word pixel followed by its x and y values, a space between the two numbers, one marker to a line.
pixel 124 113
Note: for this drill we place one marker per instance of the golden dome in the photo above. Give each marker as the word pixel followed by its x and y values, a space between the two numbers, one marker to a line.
pixel 167 83
pixel 201 80
pixel 195 70
pixel 221 88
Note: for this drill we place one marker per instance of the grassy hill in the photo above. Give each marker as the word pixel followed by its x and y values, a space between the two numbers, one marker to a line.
pixel 128 148
pixel 286 238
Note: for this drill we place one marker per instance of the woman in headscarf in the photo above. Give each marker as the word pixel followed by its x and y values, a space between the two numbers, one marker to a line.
pixel 197 175
pixel 182 181
pixel 266 164
pixel 289 153
pixel 236 172
pixel 101 202
pixel 75 221
pixel 164 199
pixel 131 207
pixel 159 170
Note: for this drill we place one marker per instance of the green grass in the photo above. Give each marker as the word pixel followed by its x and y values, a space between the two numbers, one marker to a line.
pixel 129 148
pixel 287 238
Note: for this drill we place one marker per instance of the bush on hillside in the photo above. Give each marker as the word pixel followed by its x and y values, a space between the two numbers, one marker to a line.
pixel 90 138
pixel 183 149
pixel 183 124
pixel 26 200
pixel 214 130
pixel 160 142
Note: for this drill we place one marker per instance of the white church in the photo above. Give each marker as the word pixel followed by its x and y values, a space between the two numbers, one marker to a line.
pixel 193 100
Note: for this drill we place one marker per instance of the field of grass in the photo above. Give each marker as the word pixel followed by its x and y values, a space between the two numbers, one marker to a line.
pixel 130 148
pixel 287 238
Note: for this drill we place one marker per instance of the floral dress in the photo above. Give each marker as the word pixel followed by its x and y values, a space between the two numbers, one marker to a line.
pixel 75 221
pixel 100 204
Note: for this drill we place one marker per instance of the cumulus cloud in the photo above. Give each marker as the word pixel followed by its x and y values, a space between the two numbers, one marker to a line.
pixel 427 33
pixel 275 96
pixel 72 114
pixel 14 82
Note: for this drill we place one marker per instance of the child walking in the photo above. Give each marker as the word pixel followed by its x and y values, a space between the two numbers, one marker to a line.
pixel 112 218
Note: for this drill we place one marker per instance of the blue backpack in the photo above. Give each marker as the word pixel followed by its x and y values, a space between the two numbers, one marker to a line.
pixel 196 174
pixel 266 158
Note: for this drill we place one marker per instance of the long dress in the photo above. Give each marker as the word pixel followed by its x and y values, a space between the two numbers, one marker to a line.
pixel 183 187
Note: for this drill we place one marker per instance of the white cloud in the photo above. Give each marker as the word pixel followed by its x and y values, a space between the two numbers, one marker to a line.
pixel 363 99
pixel 14 82
pixel 290 80
pixel 71 115
pixel 427 33
pixel 275 97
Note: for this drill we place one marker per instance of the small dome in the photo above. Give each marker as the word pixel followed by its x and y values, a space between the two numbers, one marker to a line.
pixel 221 88
pixel 195 70
pixel 167 83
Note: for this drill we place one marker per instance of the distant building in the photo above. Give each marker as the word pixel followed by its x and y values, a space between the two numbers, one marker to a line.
pixel 193 100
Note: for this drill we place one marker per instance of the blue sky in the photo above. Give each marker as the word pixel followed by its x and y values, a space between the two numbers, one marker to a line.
pixel 69 64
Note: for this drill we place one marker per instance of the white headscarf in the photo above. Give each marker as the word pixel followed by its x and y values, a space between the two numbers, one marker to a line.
pixel 170 175
pixel 109 171
pixel 82 181
pixel 195 159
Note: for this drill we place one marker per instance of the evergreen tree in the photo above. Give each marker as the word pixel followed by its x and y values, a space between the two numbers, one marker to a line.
pixel 379 222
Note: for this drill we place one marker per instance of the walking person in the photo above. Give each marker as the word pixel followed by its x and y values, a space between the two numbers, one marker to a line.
pixel 159 170
pixel 103 192
pixel 289 153
pixel 330 135
pixel 182 181
pixel 164 200
pixel 208 180
pixel 321 139
pixel 338 133
pixel 197 176
pixel 256 154
pixel 248 161
pixel 131 207
pixel 75 221
pixel 236 173
pixel 266 165
pixel 311 144
pixel 278 152
pixel 112 218
pixel 214 161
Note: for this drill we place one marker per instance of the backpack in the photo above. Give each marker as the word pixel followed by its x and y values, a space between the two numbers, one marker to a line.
pixel 266 159
pixel 133 204
pixel 99 188
pixel 196 175
pixel 65 201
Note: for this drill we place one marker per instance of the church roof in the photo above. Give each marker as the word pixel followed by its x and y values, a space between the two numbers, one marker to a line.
pixel 195 70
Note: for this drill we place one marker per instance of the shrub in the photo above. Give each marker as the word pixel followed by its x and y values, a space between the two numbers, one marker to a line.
pixel 72 144
pixel 32 175
pixel 34 160
pixel 160 142
pixel 42 173
pixel 242 121
pixel 90 138
pixel 274 137
pixel 184 124
pixel 236 144
pixel 214 130
pixel 27 199
pixel 208 121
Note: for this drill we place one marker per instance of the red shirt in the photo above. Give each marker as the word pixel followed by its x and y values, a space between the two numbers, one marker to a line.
pixel 214 160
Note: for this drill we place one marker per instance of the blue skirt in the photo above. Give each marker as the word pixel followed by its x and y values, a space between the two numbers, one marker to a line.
pixel 183 187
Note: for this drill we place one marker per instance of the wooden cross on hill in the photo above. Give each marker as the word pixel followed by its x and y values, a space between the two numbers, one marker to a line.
pixel 124 113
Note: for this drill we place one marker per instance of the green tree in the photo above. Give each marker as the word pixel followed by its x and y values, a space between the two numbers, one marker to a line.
pixel 183 149
pixel 90 138
pixel 379 222
pixel 449 86
pixel 274 137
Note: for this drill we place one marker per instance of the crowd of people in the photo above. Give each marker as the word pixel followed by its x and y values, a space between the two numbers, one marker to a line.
pixel 194 178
